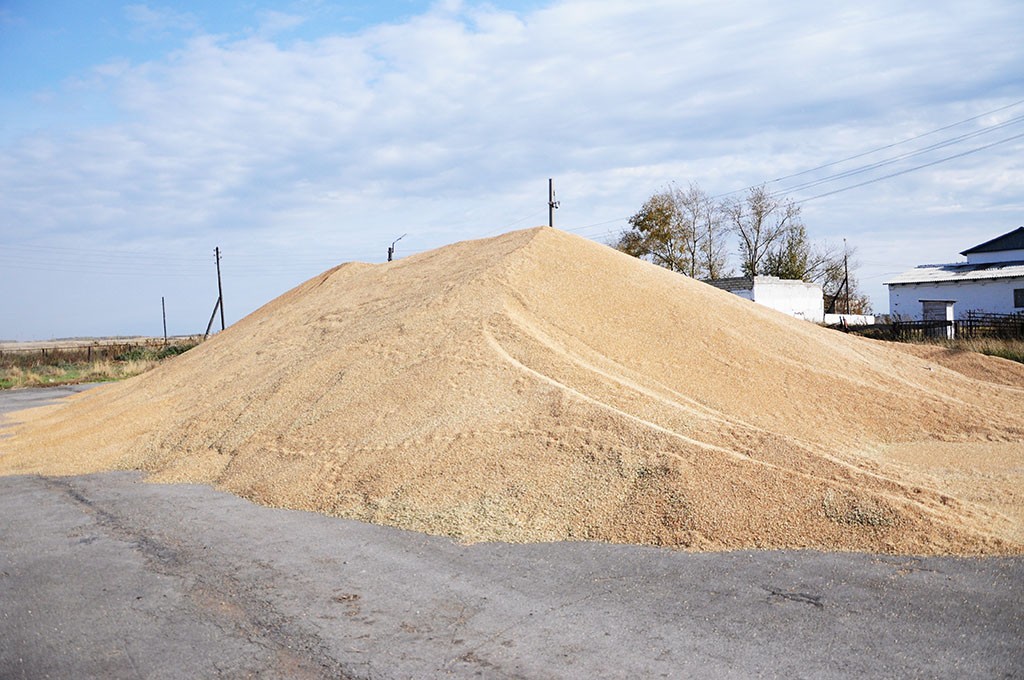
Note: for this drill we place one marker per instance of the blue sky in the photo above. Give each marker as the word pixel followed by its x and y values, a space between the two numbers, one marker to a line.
pixel 136 137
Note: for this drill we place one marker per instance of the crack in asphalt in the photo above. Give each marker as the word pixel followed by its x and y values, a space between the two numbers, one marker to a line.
pixel 196 583
pixel 238 608
pixel 803 598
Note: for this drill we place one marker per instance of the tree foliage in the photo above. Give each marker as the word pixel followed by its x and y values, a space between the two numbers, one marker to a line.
pixel 657 234
pixel 680 230
pixel 706 238
pixel 685 230
pixel 795 257
pixel 759 222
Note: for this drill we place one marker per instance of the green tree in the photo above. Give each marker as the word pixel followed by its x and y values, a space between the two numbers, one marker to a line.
pixel 759 222
pixel 681 230
pixel 686 230
pixel 705 232
pixel 795 257
pixel 659 234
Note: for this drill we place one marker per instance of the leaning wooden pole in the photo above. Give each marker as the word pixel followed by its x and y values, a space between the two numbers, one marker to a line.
pixel 220 291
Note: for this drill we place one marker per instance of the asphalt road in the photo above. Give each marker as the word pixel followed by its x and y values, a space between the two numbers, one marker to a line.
pixel 108 576
pixel 17 400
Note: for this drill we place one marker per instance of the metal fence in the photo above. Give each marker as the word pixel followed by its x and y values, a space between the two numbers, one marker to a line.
pixel 973 325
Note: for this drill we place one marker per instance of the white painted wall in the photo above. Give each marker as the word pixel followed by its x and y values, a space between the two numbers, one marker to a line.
pixel 998 256
pixel 850 319
pixel 994 296
pixel 796 298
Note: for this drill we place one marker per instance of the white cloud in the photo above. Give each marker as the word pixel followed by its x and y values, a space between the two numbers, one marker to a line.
pixel 149 22
pixel 273 22
pixel 448 125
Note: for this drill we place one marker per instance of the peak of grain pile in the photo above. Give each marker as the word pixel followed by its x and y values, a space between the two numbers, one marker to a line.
pixel 538 386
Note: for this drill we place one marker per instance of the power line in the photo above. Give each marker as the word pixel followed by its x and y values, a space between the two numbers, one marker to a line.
pixel 905 141
pixel 874 166
pixel 908 170
pixel 877 149
pixel 896 159
pixel 68 259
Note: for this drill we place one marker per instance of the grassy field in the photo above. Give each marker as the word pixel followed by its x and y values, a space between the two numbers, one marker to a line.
pixel 69 366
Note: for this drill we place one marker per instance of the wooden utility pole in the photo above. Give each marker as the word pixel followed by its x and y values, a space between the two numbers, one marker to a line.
pixel 220 291
pixel 212 317
pixel 846 275
pixel 552 203
pixel 163 308
pixel 220 298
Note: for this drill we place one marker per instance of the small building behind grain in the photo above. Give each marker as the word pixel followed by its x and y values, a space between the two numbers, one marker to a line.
pixel 991 281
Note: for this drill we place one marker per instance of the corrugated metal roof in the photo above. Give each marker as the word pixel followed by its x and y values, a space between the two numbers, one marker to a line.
pixel 938 273
pixel 1013 240
pixel 746 283
pixel 733 284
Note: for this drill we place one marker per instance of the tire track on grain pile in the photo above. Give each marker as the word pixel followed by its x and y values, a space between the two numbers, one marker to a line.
pixel 504 354
pixel 850 479
pixel 674 402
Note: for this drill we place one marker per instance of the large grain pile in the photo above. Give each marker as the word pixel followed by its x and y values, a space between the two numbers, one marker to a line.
pixel 538 386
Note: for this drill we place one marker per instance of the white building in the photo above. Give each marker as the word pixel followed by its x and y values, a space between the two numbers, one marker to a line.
pixel 991 280
pixel 790 296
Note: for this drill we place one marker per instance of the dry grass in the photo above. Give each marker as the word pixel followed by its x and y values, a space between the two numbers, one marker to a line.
pixel 1012 349
pixel 1005 348
pixel 68 368
pixel 69 374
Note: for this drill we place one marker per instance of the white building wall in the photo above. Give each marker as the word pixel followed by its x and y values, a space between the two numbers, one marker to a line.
pixel 850 319
pixel 796 298
pixel 998 256
pixel 995 296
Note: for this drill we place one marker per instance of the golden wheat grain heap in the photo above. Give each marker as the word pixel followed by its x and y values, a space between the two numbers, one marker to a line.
pixel 537 386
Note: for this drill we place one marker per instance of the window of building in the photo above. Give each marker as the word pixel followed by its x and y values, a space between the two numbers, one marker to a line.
pixel 1018 297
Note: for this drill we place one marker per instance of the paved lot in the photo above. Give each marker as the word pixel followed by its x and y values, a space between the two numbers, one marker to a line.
pixel 16 400
pixel 107 576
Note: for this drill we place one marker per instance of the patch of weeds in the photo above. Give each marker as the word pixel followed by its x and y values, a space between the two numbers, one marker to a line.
pixel 1011 353
pixel 1004 348
pixel 153 353
pixel 43 371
